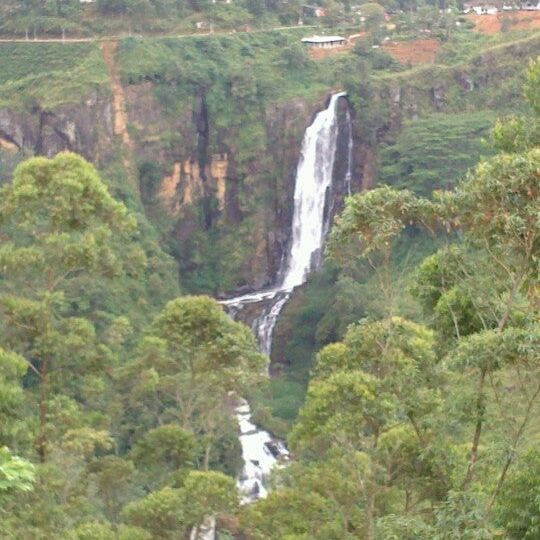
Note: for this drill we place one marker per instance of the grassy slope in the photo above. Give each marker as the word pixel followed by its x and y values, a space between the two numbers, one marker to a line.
pixel 88 21
pixel 207 60
pixel 49 74
pixel 495 68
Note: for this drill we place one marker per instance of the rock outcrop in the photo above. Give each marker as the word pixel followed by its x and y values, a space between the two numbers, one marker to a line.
pixel 85 128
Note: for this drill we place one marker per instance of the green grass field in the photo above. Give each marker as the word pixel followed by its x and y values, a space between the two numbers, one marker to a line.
pixel 49 73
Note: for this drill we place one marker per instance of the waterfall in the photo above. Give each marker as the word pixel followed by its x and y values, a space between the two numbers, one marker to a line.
pixel 348 176
pixel 309 226
pixel 313 179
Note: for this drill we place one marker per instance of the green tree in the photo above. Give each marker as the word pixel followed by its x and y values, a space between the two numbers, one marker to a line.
pixel 16 474
pixel 370 227
pixel 165 446
pixel 373 14
pixel 532 84
pixel 434 152
pixel 295 57
pixel 518 509
pixel 293 513
pixel 172 513
pixel 113 478
pixel 480 294
pixel 208 493
pixel 161 513
pixel 95 530
pixel 57 224
pixel 12 427
pixel 376 393
pixel 255 7
pixel 519 133
pixel 462 516
pixel 163 451
pixel 193 357
pixel 115 7
pixel 496 208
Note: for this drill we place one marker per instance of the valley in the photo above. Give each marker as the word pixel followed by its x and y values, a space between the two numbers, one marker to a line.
pixel 253 289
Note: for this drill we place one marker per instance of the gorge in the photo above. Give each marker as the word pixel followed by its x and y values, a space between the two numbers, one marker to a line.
pixel 248 292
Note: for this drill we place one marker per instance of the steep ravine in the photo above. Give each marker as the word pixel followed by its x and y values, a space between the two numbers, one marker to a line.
pixel 220 199
pixel 319 176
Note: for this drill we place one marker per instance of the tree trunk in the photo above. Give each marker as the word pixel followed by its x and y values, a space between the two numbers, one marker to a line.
pixel 207 450
pixel 41 441
pixel 480 406
pixel 370 511
pixel 509 460
pixel 372 491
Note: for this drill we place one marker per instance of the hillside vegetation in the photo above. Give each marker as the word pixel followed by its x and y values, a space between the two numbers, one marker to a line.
pixel 49 75
pixel 405 372
pixel 420 418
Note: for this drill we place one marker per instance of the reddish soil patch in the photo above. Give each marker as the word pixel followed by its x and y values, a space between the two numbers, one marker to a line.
pixel 518 20
pixel 416 51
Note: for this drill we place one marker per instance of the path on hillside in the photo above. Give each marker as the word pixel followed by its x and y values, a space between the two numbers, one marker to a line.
pixel 98 39
pixel 120 121
pixel 119 99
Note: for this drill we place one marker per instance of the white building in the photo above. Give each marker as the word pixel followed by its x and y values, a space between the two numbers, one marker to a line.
pixel 325 42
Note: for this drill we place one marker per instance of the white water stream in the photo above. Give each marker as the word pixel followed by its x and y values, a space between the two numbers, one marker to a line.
pixel 313 180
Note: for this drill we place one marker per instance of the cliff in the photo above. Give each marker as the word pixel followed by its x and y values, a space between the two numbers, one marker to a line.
pixel 212 156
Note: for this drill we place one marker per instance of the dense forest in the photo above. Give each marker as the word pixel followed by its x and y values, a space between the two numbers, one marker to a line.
pixel 145 179
pixel 426 427
pixel 422 427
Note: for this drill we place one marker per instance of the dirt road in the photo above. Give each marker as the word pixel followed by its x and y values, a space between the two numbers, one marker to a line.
pixel 98 39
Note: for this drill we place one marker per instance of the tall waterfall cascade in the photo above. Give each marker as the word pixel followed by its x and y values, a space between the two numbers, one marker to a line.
pixel 261 452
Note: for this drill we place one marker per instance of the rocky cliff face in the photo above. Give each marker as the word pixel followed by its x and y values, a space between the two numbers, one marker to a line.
pixel 222 187
pixel 211 186
pixel 86 129
pixel 204 184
